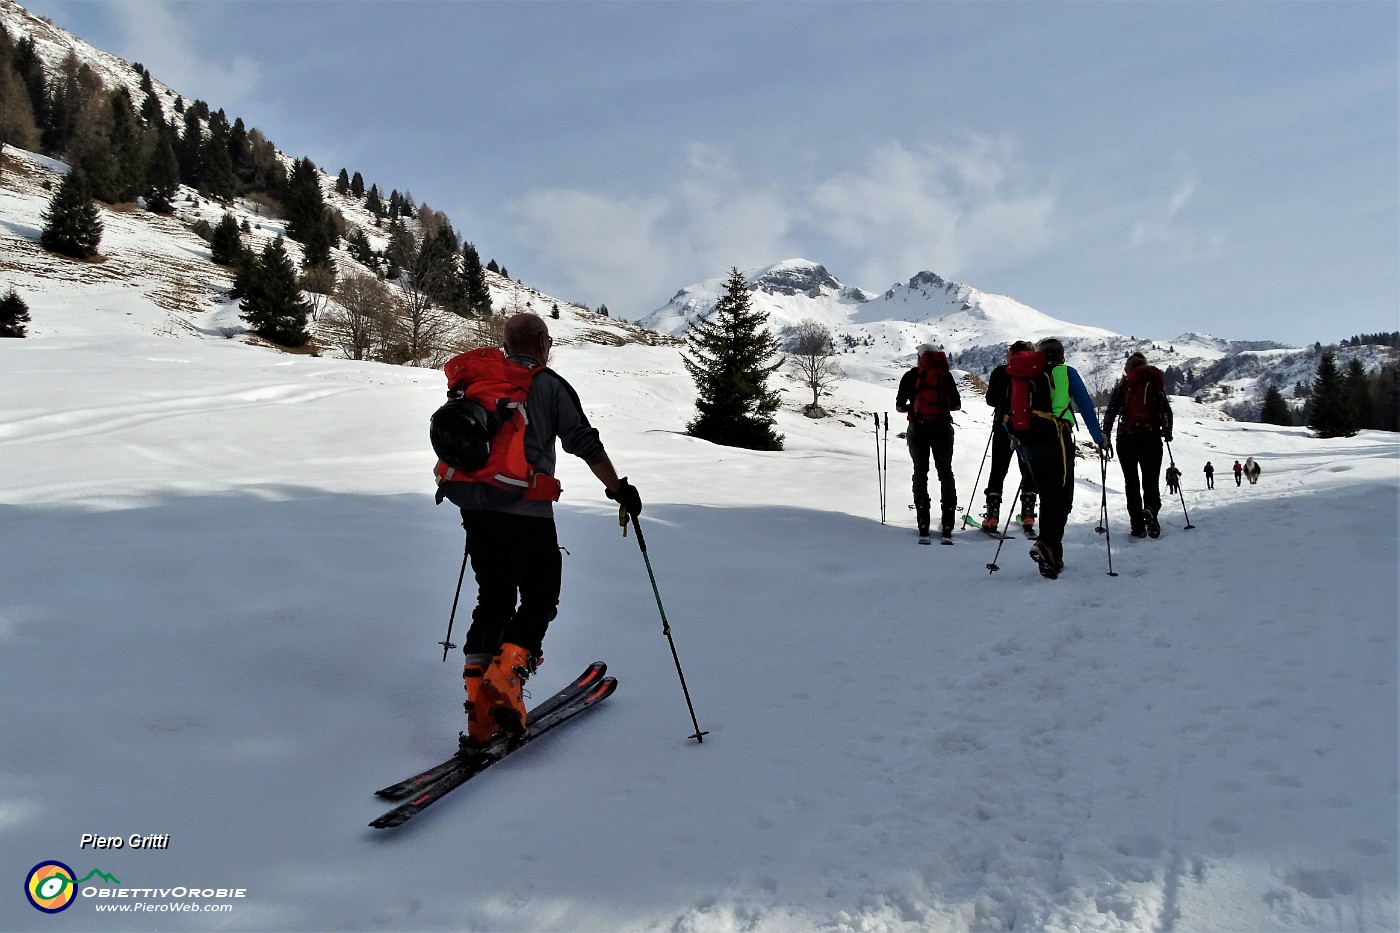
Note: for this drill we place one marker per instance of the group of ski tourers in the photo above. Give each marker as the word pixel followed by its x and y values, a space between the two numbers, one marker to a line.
pixel 1034 397
pixel 496 436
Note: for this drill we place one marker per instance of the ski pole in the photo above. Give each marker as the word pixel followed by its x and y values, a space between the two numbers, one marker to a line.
pixel 967 512
pixel 885 482
pixel 879 477
pixel 1172 459
pixel 992 567
pixel 623 515
pixel 452 617
pixel 1103 511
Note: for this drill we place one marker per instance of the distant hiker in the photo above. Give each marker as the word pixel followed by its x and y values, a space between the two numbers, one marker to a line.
pixel 1210 475
pixel 929 396
pixel 1139 405
pixel 1173 479
pixel 508 513
pixel 999 397
pixel 1239 471
pixel 1041 418
pixel 1251 471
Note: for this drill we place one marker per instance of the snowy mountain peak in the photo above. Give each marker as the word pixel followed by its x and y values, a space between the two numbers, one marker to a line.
pixel 793 276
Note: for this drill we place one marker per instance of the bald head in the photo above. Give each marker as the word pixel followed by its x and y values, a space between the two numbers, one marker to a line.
pixel 523 332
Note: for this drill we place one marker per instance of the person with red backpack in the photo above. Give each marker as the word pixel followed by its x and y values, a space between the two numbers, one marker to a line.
pixel 507 506
pixel 929 396
pixel 1044 394
pixel 1139 405
pixel 999 397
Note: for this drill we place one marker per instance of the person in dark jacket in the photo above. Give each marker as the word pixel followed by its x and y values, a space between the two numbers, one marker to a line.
pixel 1173 476
pixel 1139 405
pixel 513 545
pixel 1047 442
pixel 1210 475
pixel 929 396
pixel 999 397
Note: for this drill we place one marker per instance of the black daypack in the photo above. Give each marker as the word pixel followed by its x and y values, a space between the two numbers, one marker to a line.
pixel 461 432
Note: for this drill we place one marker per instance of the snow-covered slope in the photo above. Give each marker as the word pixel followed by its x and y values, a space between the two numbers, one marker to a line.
pixel 224 583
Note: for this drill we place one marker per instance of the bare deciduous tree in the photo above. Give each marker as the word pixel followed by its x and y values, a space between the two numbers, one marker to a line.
pixel 812 350
pixel 318 284
pixel 364 315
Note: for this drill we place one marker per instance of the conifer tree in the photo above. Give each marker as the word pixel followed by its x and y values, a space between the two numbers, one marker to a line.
pixel 342 182
pixel 72 223
pixel 226 244
pixel 219 179
pixel 1329 411
pixel 373 203
pixel 128 151
pixel 308 221
pixel 270 297
pixel 1275 409
pixel 1385 398
pixel 731 359
pixel 190 150
pixel 162 175
pixel 478 293
pixel 17 124
pixel 357 185
pixel 1358 391
pixel 14 315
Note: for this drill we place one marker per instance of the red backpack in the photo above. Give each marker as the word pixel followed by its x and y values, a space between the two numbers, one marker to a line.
pixel 1030 389
pixel 931 396
pixel 479 434
pixel 1144 395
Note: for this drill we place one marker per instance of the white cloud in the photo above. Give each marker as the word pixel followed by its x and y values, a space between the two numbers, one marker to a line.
pixel 633 251
pixel 947 209
pixel 1168 230
pixel 161 31
pixel 944 209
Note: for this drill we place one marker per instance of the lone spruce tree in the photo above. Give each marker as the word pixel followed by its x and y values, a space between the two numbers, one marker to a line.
pixel 1330 412
pixel 72 223
pixel 14 315
pixel 731 358
pixel 1275 408
pixel 270 298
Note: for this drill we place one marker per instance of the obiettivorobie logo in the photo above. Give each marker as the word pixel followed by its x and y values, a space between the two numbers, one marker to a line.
pixel 52 886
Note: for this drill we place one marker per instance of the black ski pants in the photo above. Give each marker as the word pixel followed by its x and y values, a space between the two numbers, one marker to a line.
pixel 512 556
pixel 1140 455
pixel 934 440
pixel 1050 457
pixel 1002 453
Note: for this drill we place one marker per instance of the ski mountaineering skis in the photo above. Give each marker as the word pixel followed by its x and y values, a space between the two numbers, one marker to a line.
pixel 429 786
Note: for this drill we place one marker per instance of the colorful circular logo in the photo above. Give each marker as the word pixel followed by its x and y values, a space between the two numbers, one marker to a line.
pixel 50 887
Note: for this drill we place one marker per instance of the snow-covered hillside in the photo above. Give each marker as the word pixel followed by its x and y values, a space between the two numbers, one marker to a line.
pixel 225 579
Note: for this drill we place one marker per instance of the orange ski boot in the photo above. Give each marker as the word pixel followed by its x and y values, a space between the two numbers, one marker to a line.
pixel 481 728
pixel 502 693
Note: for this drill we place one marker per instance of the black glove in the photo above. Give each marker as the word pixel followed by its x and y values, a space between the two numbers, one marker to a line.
pixel 626 495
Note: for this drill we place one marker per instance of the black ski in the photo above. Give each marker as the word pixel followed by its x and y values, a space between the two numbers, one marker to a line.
pixel 590 676
pixel 469 765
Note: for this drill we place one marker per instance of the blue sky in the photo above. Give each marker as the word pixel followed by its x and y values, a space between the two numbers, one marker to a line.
pixel 1154 168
